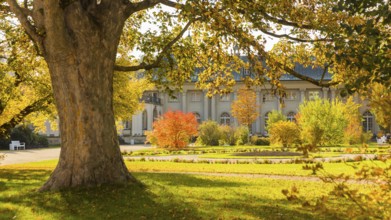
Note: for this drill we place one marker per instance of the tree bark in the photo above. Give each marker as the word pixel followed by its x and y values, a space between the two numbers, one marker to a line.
pixel 80 50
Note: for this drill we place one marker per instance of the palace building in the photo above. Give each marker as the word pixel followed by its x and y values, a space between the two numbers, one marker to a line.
pixel 218 108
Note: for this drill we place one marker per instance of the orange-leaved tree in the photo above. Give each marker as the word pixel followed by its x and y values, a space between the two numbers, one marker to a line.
pixel 245 107
pixel 173 130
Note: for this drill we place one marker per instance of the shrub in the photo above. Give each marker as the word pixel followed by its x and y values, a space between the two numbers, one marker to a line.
pixel 209 133
pixel 242 135
pixel 285 133
pixel 227 135
pixel 260 141
pixel 273 117
pixel 173 130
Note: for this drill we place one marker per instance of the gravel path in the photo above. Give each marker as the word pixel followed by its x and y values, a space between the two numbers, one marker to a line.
pixel 267 176
pixel 250 159
pixel 34 155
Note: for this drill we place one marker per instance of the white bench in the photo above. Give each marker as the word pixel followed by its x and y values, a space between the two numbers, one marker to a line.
pixel 17 145
pixel 382 140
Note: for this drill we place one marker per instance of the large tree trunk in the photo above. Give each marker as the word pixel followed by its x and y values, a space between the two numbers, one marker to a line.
pixel 80 51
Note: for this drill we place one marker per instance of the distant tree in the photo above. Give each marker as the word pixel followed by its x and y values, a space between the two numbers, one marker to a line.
pixel 284 132
pixel 273 117
pixel 380 102
pixel 244 108
pixel 173 130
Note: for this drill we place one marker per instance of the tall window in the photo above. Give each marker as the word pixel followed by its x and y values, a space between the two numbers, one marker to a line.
pixel 173 98
pixel 195 96
pixel 367 123
pixel 267 97
pixel 266 119
pixel 198 117
pixel 155 115
pixel 225 98
pixel 145 120
pixel 127 125
pixel 291 95
pixel 291 117
pixel 225 119
pixel 313 94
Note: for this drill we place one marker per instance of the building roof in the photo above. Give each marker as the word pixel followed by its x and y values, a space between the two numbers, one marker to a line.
pixel 314 73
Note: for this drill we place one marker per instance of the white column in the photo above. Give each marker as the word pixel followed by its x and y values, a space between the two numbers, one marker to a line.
pixel 163 101
pixel 235 121
pixel 302 95
pixel 325 93
pixel 214 107
pixel 206 113
pixel 258 121
pixel 184 104
pixel 356 99
pixel 278 103
pixel 333 90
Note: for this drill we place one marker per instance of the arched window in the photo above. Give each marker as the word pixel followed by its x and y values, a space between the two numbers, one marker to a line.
pixel 127 125
pixel 198 117
pixel 367 123
pixel 266 119
pixel 155 115
pixel 291 117
pixel 145 120
pixel 225 119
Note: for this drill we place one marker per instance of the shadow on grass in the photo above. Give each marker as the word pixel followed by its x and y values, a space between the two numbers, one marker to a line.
pixel 160 199
pixel 19 197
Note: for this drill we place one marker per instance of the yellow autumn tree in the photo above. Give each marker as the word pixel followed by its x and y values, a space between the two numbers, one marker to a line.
pixel 244 108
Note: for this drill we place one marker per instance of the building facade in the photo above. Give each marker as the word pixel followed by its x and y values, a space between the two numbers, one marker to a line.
pixel 218 108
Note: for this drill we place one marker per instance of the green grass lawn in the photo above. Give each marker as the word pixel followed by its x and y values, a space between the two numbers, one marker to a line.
pixel 164 196
pixel 229 151
pixel 274 169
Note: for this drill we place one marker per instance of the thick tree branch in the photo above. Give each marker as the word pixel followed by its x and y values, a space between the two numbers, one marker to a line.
pixel 16 119
pixel 293 38
pixel 326 67
pixel 143 5
pixel 305 78
pixel 285 22
pixel 29 28
pixel 159 58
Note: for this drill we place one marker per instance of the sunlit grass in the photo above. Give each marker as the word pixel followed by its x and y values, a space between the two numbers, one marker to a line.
pixel 272 169
pixel 164 196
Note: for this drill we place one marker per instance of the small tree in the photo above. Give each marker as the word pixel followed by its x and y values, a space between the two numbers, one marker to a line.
pixel 273 117
pixel 173 130
pixel 245 107
pixel 209 133
pixel 322 122
pixel 285 133
pixel 354 132
pixel 241 135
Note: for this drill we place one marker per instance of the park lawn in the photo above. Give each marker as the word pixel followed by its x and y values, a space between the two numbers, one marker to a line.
pixel 232 156
pixel 165 166
pixel 162 196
